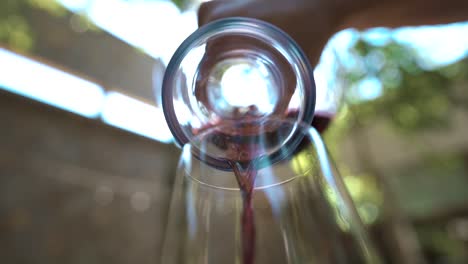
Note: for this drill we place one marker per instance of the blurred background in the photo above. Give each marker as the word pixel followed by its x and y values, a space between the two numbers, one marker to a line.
pixel 87 161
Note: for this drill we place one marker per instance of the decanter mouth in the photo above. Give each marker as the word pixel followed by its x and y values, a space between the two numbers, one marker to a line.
pixel 273 141
pixel 236 71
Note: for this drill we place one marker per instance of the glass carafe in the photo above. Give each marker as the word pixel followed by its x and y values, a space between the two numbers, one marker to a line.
pixel 232 70
pixel 254 182
pixel 297 210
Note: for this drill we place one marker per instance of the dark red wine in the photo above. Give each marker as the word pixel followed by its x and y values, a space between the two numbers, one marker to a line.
pixel 322 120
pixel 246 179
pixel 242 146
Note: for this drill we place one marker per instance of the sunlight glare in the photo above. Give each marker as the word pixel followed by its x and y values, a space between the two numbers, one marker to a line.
pixel 43 83
pixel 135 116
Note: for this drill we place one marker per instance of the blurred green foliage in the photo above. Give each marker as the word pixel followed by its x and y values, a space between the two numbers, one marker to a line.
pixel 412 98
pixel 182 4
pixel 15 30
pixel 440 245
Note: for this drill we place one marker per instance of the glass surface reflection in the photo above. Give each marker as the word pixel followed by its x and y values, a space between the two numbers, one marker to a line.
pixel 301 210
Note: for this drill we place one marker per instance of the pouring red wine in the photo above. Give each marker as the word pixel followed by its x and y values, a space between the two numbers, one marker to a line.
pixel 242 153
